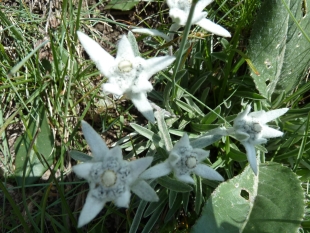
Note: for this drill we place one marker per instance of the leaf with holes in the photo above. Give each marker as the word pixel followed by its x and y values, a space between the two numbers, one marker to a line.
pixel 279 47
pixel 272 201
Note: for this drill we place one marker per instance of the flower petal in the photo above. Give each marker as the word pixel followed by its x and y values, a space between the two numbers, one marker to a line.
pixel 102 59
pixel 95 142
pixel 115 152
pixel 138 166
pixel 185 178
pixel 198 15
pixel 124 49
pixel 201 4
pixel 143 105
pixel 141 85
pixel 123 200
pixel 178 16
pixel 268 132
pixel 251 155
pixel 143 190
pixel 156 171
pixel 271 115
pixel 183 142
pixel 205 140
pixel 112 88
pixel 155 64
pixel 243 114
pixel 257 114
pixel 83 169
pixel 258 141
pixel 174 158
pixel 91 208
pixel 173 28
pixel 213 27
pixel 201 154
pixel 151 32
pixel 241 136
pixel 207 172
pixel 172 3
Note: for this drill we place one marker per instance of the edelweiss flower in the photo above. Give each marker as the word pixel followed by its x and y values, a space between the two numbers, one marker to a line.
pixel 110 177
pixel 127 74
pixel 251 129
pixel 183 160
pixel 179 11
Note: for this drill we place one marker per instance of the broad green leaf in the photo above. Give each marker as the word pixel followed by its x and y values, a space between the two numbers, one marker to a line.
pixel 185 200
pixel 123 5
pixel 153 206
pixel 297 53
pixel 278 48
pixel 163 129
pixel 177 205
pixel 204 141
pixel 174 185
pixel 203 127
pixel 172 197
pixel 153 219
pixel 237 155
pixel 79 156
pixel 272 201
pixel 302 112
pixel 186 107
pixel 138 216
pixel 147 133
pixel 221 56
pixel 190 101
pixel 198 194
pixel 39 136
pixel 249 94
pixel 198 84
pixel 211 116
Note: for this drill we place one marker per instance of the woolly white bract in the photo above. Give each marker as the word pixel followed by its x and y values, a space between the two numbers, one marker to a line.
pixel 151 32
pixel 110 177
pixel 127 74
pixel 179 11
pixel 251 129
pixel 183 160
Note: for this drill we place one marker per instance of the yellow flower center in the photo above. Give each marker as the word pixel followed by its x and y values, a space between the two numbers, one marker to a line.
pixel 125 66
pixel 108 178
pixel 191 162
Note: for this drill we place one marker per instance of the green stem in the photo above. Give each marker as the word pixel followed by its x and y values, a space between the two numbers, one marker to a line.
pixel 181 49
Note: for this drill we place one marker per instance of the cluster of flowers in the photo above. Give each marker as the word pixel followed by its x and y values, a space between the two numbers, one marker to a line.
pixel 110 177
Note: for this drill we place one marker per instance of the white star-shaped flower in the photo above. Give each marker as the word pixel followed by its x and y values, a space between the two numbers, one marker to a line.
pixel 127 74
pixel 183 160
pixel 110 177
pixel 179 11
pixel 251 129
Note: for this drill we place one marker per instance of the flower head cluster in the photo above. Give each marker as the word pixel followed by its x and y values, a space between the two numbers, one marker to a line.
pixel 110 177
pixel 179 11
pixel 128 74
pixel 251 129
pixel 183 160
